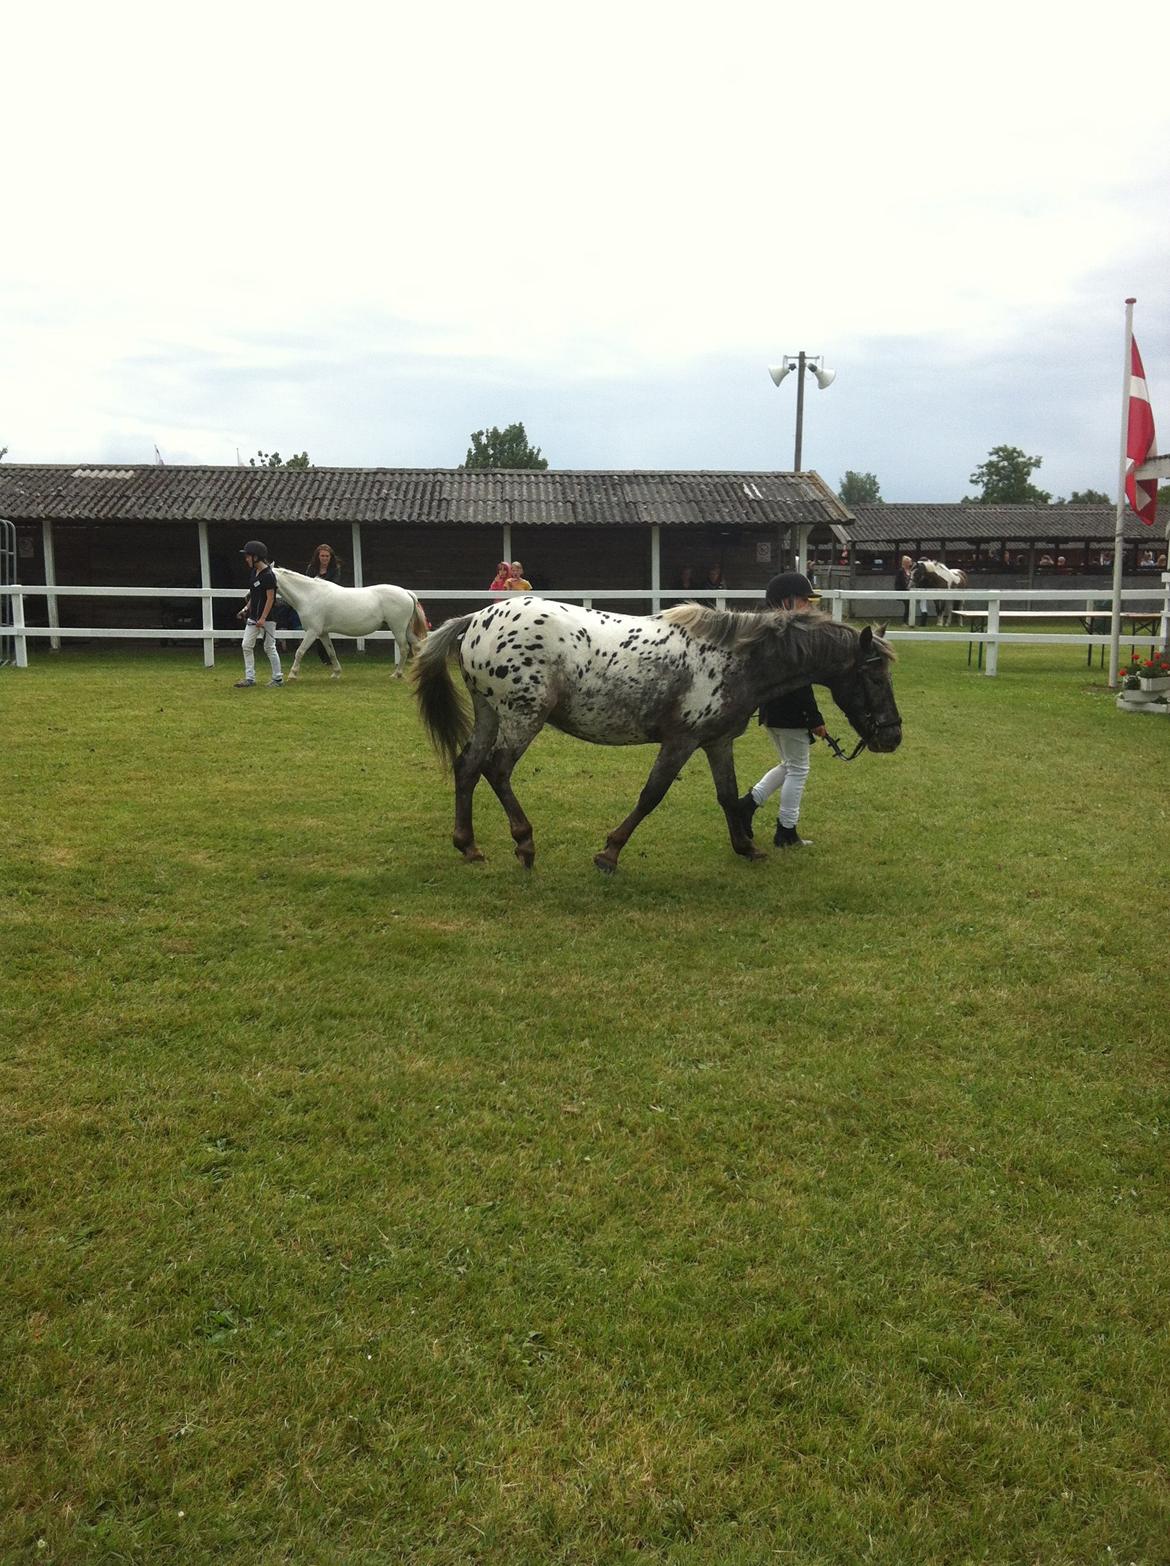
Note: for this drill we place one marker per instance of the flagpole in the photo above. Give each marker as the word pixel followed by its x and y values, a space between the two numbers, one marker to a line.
pixel 1119 522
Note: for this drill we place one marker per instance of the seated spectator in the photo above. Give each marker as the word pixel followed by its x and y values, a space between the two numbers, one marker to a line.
pixel 1162 561
pixel 502 577
pixel 687 578
pixel 517 581
pixel 1045 560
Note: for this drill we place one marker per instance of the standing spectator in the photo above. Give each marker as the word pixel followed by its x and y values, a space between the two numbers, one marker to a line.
pixel 258 611
pixel 501 579
pixel 791 720
pixel 517 581
pixel 326 562
pixel 902 583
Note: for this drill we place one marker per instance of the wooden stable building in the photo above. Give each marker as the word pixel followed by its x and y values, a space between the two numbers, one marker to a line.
pixel 426 529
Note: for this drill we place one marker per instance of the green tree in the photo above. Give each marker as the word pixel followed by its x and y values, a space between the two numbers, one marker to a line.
pixel 860 489
pixel 508 448
pixel 1005 479
pixel 273 459
pixel 1085 497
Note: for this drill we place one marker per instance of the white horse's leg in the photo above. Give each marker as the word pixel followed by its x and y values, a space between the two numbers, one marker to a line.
pixel 303 646
pixel 334 661
pixel 401 645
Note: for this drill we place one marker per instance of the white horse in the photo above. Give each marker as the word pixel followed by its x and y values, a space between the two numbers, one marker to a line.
pixel 933 573
pixel 325 607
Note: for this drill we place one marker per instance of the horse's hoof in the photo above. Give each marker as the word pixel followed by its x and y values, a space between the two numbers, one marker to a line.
pixel 336 675
pixel 755 856
pixel 606 866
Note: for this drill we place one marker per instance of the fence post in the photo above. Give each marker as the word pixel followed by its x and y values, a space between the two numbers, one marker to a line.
pixel 355 547
pixel 991 663
pixel 206 599
pixel 655 569
pixel 20 640
pixel 837 607
pixel 51 581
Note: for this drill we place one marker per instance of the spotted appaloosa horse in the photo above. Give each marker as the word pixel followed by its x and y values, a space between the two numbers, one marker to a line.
pixel 325 606
pixel 685 680
pixel 932 573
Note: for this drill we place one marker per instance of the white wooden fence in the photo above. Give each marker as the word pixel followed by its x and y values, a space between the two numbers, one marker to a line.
pixel 840 603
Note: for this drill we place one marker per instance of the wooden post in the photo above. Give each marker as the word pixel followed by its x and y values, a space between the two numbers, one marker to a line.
pixel 655 569
pixel 208 603
pixel 51 580
pixel 991 663
pixel 355 549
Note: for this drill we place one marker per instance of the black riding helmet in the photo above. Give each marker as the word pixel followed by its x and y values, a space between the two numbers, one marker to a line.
pixel 789 584
pixel 255 548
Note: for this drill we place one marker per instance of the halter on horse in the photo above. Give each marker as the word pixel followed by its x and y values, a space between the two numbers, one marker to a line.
pixel 686 680
pixel 325 607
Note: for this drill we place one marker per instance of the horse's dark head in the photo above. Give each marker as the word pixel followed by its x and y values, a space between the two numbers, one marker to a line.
pixel 919 575
pixel 866 696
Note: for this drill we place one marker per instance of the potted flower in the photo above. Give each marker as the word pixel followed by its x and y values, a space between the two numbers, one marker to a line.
pixel 1154 674
pixel 1131 679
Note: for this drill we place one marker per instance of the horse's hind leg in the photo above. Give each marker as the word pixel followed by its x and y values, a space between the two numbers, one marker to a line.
pixel 721 756
pixel 498 771
pixel 669 762
pixel 469 764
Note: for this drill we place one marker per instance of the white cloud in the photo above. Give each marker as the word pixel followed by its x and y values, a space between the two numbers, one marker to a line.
pixel 214 230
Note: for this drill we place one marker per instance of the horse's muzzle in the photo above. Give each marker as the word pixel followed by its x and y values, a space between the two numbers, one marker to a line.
pixel 885 738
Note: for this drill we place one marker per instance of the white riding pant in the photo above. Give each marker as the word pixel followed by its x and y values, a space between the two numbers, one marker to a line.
pixel 792 746
pixel 251 632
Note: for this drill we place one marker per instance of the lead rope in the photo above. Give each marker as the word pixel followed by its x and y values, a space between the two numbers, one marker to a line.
pixel 836 747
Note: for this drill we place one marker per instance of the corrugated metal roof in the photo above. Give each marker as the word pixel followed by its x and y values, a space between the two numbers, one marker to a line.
pixel 895 522
pixel 486 498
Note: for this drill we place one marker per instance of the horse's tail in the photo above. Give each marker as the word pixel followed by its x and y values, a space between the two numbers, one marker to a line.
pixel 416 631
pixel 445 716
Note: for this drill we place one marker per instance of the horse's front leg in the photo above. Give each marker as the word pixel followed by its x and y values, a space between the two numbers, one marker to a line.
pixel 669 762
pixel 334 661
pixel 306 641
pixel 721 757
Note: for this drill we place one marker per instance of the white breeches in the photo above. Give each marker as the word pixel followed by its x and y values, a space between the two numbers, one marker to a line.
pixel 251 632
pixel 792 746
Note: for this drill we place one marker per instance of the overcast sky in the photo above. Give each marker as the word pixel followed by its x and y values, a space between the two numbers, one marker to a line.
pixel 320 228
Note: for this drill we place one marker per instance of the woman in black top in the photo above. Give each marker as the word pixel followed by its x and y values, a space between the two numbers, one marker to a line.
pixel 325 562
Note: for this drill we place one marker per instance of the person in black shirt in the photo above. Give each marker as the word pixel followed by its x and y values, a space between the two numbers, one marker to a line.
pixel 791 720
pixel 258 610
pixel 327 563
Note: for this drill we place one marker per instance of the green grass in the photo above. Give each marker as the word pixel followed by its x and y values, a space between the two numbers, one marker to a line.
pixel 360 1205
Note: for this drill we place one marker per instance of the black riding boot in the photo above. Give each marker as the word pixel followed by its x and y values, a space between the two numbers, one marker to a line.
pixel 745 809
pixel 788 837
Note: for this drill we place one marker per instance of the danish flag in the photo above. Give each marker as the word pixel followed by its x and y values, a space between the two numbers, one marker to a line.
pixel 1142 494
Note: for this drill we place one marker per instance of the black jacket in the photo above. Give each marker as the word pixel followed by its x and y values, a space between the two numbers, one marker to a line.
pixel 794 710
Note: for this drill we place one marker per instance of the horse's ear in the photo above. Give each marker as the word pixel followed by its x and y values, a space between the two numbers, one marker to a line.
pixel 880 632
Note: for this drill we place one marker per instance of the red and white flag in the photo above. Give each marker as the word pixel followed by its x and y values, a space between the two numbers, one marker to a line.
pixel 1142 494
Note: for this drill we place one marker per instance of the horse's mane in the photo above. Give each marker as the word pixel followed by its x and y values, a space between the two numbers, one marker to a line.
pixel 734 630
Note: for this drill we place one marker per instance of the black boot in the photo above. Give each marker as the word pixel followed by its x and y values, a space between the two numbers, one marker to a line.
pixel 788 837
pixel 745 809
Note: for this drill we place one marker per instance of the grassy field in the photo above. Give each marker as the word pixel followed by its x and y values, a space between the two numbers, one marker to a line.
pixel 360 1205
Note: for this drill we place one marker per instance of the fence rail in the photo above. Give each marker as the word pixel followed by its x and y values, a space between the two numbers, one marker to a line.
pixel 841 603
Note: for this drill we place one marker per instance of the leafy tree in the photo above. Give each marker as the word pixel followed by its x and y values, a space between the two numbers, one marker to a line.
pixel 1005 479
pixel 508 448
pixel 273 459
pixel 1085 497
pixel 859 489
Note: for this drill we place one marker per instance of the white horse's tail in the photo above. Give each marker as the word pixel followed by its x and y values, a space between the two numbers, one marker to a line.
pixel 416 631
